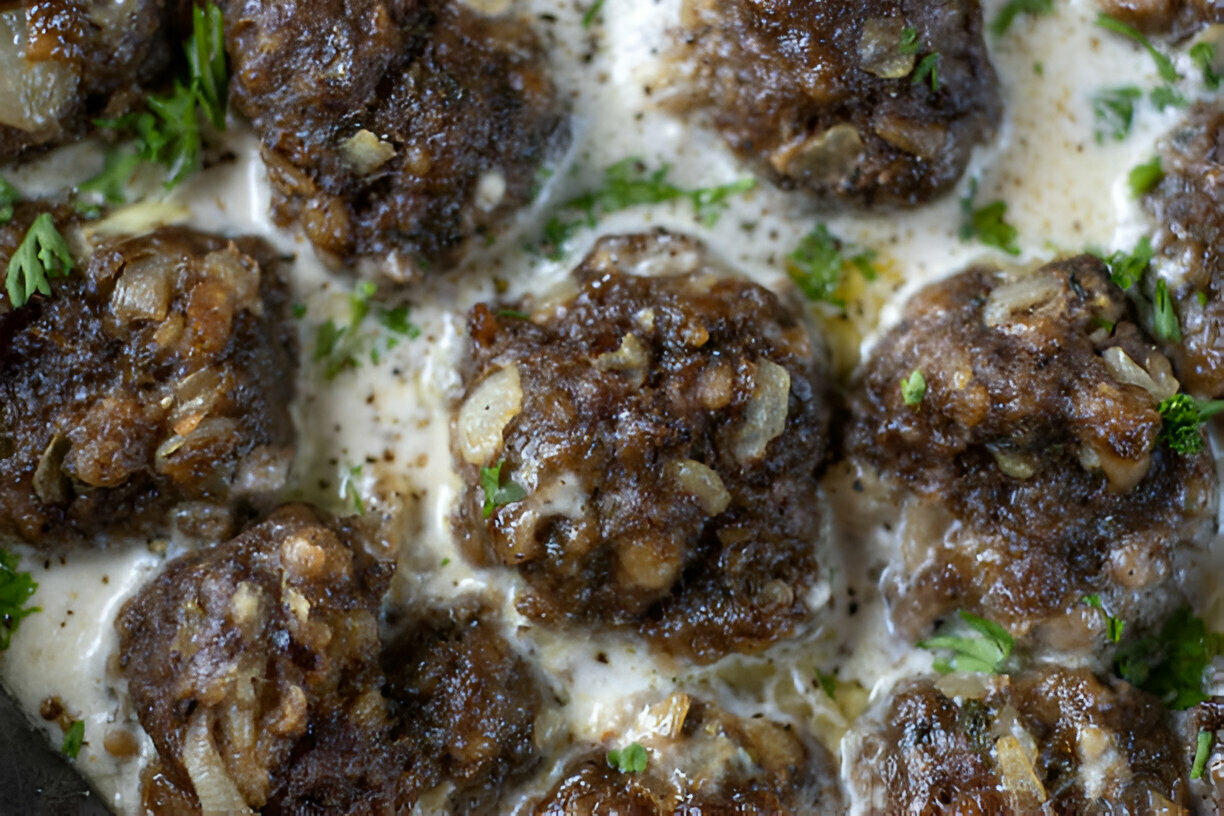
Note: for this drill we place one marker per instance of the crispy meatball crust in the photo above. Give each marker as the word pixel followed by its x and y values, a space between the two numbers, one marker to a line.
pixel 393 126
pixel 1177 18
pixel 700 768
pixel 65 63
pixel 667 429
pixel 1037 436
pixel 1188 206
pixel 1045 740
pixel 160 371
pixel 822 96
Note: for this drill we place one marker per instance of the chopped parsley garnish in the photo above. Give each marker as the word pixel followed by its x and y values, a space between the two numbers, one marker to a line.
pixel 73 737
pixel 512 314
pixel 1113 626
pixel 42 255
pixel 1183 417
pixel 206 59
pixel 828 683
pixel 8 197
pixel 1114 112
pixel 1013 9
pixel 1164 317
pixel 1127 268
pixel 818 264
pixel 910 44
pixel 496 492
pixel 1171 665
pixel 591 13
pixel 986 653
pixel 1164 65
pixel 987 223
pixel 631 759
pixel 110 183
pixel 928 69
pixel 342 347
pixel 1203 56
pixel 1166 96
pixel 1202 752
pixel 15 589
pixel 913 388
pixel 1143 177
pixel 349 490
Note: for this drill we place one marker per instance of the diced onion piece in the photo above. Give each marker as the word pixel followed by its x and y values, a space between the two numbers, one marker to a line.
pixel 365 152
pixel 1019 776
pixel 136 219
pixel 33 95
pixel 213 787
pixel 143 291
pixel 1125 370
pixel 629 356
pixel 486 412
pixel 825 156
pixel 879 48
pixel 1018 295
pixel 1016 464
pixel 700 482
pixel 240 276
pixel 765 413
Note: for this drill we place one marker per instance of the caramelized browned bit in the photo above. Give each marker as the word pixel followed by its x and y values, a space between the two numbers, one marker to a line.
pixel 699 767
pixel 1046 740
pixel 1033 456
pixel 1178 18
pixel 873 102
pixel 393 127
pixel 666 428
pixel 160 371
pixel 1188 206
pixel 64 64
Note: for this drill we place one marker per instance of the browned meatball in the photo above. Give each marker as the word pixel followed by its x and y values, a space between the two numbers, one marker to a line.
pixel 838 98
pixel 1179 18
pixel 666 428
pixel 1048 740
pixel 65 63
pixel 708 762
pixel 1188 206
pixel 1036 441
pixel 393 126
pixel 159 371
pixel 257 668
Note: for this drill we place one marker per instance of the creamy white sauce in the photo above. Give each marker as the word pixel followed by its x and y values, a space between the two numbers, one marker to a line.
pixel 1065 192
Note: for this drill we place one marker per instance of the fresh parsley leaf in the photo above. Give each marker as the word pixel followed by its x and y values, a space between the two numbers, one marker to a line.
pixel 1114 112
pixel 512 314
pixel 828 683
pixel 1166 96
pixel 928 69
pixel 986 653
pixel 818 264
pixel 298 310
pixel 1127 268
pixel 73 737
pixel 913 388
pixel 631 759
pixel 910 44
pixel 111 182
pixel 341 347
pixel 496 493
pixel 1013 9
pixel 1113 626
pixel 1183 416
pixel 1143 177
pixel 1164 317
pixel 8 197
pixel 1171 665
pixel 987 223
pixel 1203 56
pixel 43 254
pixel 1202 752
pixel 591 13
pixel 176 143
pixel 206 60
pixel 1164 65
pixel 349 490
pixel 15 590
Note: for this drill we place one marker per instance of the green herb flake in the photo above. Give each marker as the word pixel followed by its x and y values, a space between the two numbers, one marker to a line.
pixel 1164 317
pixel 1183 417
pixel 1127 268
pixel 1201 297
pixel 910 44
pixel 8 197
pixel 913 388
pixel 985 654
pixel 1114 112
pixel 1113 626
pixel 512 314
pixel 818 265
pixel 631 759
pixel 1202 752
pixel 350 492
pixel 828 683
pixel 987 223
pixel 1166 96
pixel 1171 665
pixel 593 11
pixel 341 348
pixel 1164 65
pixel 15 590
pixel 1013 9
pixel 206 60
pixel 928 70
pixel 496 493
pixel 445 561
pixel 42 255
pixel 73 738
pixel 1203 56
pixel 1143 177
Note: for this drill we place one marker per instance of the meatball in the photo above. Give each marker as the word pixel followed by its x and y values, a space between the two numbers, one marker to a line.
pixel 1034 454
pixel 662 431
pixel 703 761
pixel 878 103
pixel 1049 740
pixel 1188 206
pixel 158 372
pixel 393 127
pixel 1178 18
pixel 258 670
pixel 65 64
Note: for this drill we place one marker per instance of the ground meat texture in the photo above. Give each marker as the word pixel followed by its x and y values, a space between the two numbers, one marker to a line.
pixel 1178 18
pixel 1048 740
pixel 1188 207
pixel 159 372
pixel 697 765
pixel 666 429
pixel 392 126
pixel 824 97
pixel 1033 455
pixel 64 64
